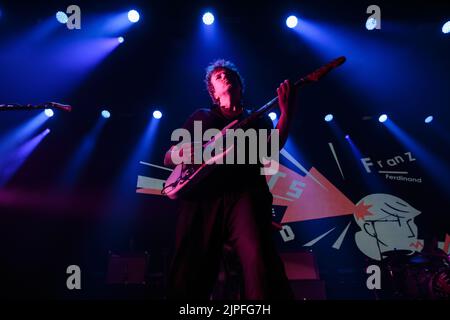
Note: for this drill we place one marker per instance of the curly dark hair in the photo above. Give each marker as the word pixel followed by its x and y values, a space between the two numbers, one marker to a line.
pixel 221 64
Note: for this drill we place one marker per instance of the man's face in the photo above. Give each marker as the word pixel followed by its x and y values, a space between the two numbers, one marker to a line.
pixel 225 81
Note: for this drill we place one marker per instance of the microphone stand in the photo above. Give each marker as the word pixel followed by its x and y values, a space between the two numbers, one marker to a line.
pixel 47 105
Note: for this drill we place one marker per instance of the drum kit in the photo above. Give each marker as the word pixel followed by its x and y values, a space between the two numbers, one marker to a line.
pixel 417 275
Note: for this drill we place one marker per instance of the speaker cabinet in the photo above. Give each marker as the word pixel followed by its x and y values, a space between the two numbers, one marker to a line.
pixel 303 274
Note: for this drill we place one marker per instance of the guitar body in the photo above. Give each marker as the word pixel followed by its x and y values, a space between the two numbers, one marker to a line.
pixel 181 179
pixel 186 176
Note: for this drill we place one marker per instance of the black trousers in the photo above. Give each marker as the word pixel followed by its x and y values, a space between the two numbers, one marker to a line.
pixel 241 220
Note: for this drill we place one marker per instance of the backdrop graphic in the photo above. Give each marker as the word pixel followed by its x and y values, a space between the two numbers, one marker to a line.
pixel 316 215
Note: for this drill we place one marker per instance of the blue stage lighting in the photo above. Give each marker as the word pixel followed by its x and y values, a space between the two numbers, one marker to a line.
pixel 120 39
pixel 347 136
pixel 272 116
pixel 291 21
pixel 133 16
pixel 49 112
pixel 428 119
pixel 446 27
pixel 157 114
pixel 106 114
pixel 383 118
pixel 61 17
pixel 371 23
pixel 328 117
pixel 208 18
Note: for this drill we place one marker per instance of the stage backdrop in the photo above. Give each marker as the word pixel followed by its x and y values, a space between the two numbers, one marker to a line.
pixel 352 201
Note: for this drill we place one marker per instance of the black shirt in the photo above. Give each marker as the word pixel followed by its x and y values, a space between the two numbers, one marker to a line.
pixel 228 177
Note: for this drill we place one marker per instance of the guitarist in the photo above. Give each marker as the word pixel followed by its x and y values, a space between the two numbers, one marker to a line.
pixel 232 206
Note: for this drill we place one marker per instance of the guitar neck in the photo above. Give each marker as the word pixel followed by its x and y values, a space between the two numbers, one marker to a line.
pixel 272 104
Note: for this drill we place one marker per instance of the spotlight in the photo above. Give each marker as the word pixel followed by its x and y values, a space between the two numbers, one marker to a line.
pixel 61 17
pixel 383 118
pixel 49 112
pixel 106 114
pixel 133 16
pixel 272 116
pixel 428 119
pixel 371 23
pixel 328 117
pixel 120 39
pixel 347 136
pixel 446 27
pixel 291 21
pixel 208 18
pixel 157 114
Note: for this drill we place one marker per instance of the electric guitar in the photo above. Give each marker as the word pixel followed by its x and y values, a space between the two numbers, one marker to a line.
pixel 186 176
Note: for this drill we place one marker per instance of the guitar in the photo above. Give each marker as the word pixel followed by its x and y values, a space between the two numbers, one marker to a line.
pixel 186 176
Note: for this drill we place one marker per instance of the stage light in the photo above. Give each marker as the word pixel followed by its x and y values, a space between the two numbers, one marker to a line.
pixel 347 136
pixel 328 117
pixel 272 116
pixel 157 114
pixel 208 18
pixel 49 112
pixel 371 23
pixel 61 17
pixel 291 21
pixel 428 119
pixel 106 114
pixel 383 118
pixel 120 39
pixel 133 16
pixel 446 27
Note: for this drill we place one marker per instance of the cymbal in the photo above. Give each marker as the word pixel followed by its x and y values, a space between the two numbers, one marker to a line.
pixel 397 253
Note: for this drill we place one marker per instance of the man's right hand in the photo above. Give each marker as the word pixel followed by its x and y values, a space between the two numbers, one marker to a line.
pixel 186 152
